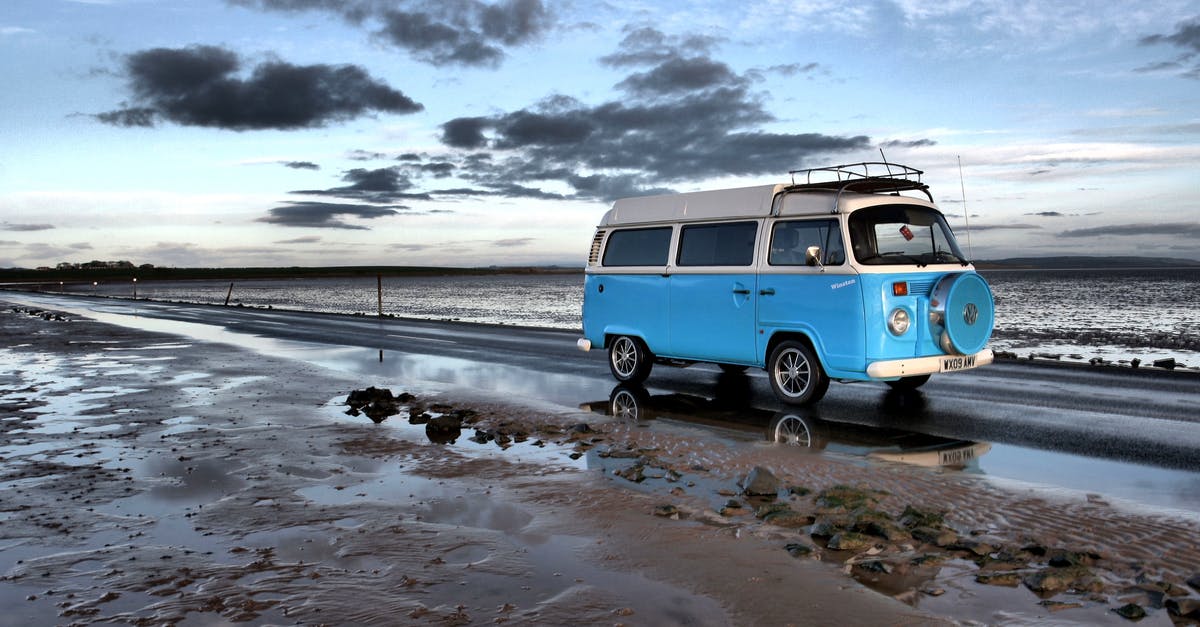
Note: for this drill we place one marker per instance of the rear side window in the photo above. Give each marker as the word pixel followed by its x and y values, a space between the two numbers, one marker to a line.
pixel 638 247
pixel 729 244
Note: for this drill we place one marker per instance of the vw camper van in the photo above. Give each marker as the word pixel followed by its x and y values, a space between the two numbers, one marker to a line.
pixel 847 273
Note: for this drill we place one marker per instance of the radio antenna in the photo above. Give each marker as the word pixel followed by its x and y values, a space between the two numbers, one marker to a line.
pixel 966 214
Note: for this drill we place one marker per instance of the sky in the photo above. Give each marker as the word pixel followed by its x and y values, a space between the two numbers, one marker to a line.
pixel 220 133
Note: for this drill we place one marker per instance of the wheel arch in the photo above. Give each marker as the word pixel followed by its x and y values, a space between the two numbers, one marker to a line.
pixel 779 337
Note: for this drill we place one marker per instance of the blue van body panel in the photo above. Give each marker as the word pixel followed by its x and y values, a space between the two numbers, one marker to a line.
pixel 827 308
pixel 712 317
pixel 629 304
pixel 879 302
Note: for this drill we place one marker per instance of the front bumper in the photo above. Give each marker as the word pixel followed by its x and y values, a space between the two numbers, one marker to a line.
pixel 894 368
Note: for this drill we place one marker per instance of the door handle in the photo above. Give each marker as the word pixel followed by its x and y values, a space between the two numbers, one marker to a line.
pixel 742 292
pixel 770 291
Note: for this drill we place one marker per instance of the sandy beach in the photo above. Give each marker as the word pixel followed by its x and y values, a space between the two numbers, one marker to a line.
pixel 151 479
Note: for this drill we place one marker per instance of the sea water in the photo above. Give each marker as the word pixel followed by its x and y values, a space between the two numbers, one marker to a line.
pixel 1072 315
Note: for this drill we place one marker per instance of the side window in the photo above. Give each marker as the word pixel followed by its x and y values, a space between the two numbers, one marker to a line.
pixel 638 247
pixel 791 239
pixel 728 244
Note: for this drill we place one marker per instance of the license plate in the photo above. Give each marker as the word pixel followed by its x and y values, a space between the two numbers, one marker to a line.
pixel 957 457
pixel 958 362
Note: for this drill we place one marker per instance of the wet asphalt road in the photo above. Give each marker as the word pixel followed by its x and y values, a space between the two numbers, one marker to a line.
pixel 1118 432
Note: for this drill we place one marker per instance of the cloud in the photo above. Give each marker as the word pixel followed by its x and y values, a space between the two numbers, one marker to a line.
pixel 380 185
pixel 915 143
pixel 1187 37
pixel 515 242
pixel 438 32
pixel 8 226
pixel 326 215
pixel 308 239
pixel 302 165
pixel 686 117
pixel 198 86
pixel 1174 229
pixel 1048 214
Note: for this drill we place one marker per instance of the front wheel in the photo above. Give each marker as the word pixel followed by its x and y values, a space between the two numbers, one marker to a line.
pixel 796 376
pixel 909 383
pixel 629 359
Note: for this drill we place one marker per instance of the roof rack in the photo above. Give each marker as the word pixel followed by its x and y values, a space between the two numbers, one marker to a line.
pixel 858 177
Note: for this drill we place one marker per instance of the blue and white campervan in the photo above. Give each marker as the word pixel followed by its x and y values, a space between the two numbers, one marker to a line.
pixel 842 279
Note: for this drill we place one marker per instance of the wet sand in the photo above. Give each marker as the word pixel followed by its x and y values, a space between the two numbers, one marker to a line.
pixel 148 479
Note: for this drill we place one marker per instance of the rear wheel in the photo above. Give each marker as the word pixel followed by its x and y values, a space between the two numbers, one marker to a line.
pixel 629 359
pixel 909 383
pixel 796 376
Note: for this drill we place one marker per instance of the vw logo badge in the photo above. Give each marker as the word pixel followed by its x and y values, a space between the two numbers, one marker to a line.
pixel 970 313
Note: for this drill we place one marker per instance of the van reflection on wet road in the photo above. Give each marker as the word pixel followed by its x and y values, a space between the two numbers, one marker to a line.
pixel 799 427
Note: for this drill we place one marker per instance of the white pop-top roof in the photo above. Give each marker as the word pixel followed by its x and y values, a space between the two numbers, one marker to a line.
pixel 743 202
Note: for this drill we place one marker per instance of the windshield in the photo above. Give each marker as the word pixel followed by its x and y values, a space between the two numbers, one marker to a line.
pixel 902 235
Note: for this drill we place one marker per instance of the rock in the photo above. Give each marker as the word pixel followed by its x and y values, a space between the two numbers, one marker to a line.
pixel 913 518
pixel 799 549
pixel 760 482
pixel 1059 558
pixel 1168 363
pixel 635 473
pixel 1194 582
pixel 667 511
pixel 877 523
pixel 827 525
pixel 937 537
pixel 1131 611
pixel 1187 608
pixel 788 518
pixel 443 429
pixel 1058 606
pixel 376 403
pixel 850 541
pixel 798 490
pixel 1055 580
pixel 975 547
pixel 1009 578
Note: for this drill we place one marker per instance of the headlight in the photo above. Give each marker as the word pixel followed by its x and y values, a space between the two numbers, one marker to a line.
pixel 898 321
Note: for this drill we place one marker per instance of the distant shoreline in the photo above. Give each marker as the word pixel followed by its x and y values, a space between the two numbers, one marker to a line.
pixel 27 276
pixel 188 274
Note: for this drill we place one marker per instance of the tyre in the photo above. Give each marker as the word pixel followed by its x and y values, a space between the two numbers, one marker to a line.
pixel 909 383
pixel 796 375
pixel 626 401
pixel 629 359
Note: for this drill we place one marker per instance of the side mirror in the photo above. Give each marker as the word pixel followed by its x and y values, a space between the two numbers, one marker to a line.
pixel 812 257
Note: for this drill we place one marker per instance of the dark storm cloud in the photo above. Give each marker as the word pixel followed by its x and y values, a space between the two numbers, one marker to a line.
pixel 1048 214
pixel 302 165
pixel 685 116
pixel 1187 37
pixel 1185 229
pixel 380 185
pixel 681 75
pixel 198 86
pixel 439 32
pixel 650 46
pixel 8 226
pixel 326 215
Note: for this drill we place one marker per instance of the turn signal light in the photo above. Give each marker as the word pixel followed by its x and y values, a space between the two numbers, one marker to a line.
pixel 900 288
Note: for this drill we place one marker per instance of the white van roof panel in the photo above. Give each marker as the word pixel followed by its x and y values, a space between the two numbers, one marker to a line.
pixel 741 202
